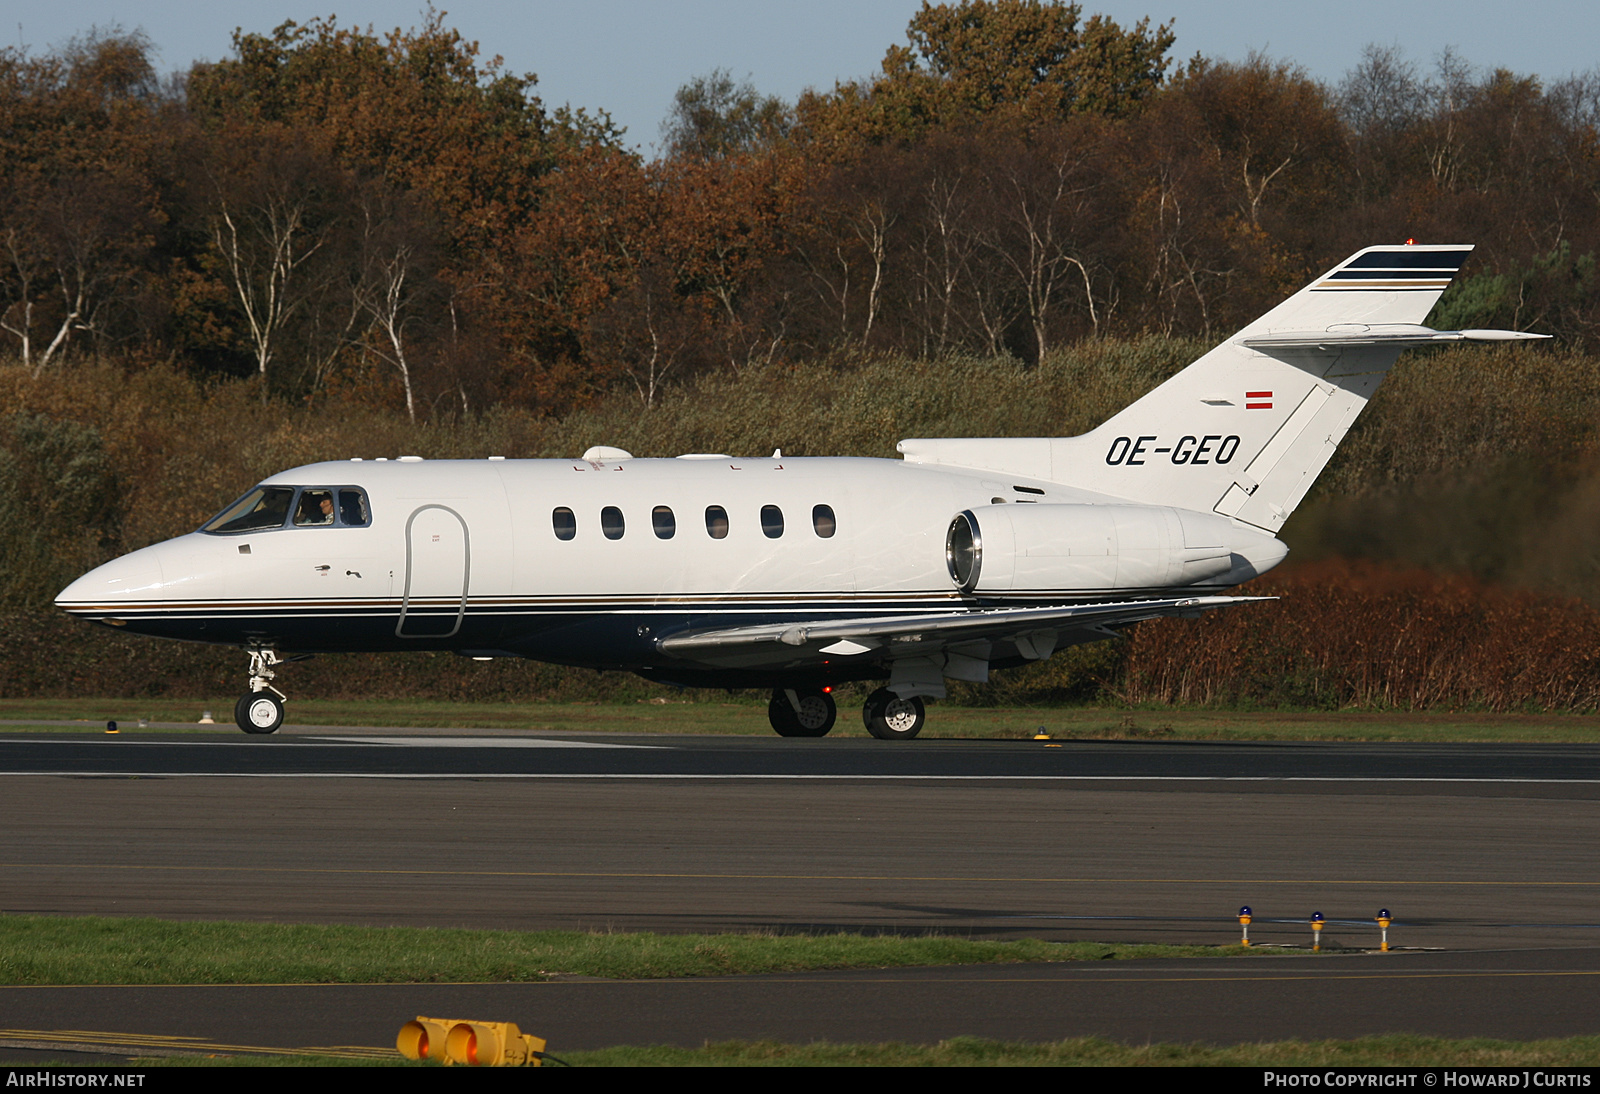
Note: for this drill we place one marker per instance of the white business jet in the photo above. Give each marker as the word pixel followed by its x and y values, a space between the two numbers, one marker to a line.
pixel 797 574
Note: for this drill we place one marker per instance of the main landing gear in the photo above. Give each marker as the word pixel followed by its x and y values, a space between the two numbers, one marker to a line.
pixel 811 712
pixel 802 712
pixel 891 718
pixel 260 710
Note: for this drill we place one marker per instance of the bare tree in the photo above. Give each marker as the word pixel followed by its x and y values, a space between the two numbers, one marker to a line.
pixel 72 248
pixel 395 281
pixel 648 331
pixel 275 205
pixel 262 246
pixel 1042 194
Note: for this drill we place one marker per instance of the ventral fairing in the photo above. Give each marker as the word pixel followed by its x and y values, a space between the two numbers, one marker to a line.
pixel 709 570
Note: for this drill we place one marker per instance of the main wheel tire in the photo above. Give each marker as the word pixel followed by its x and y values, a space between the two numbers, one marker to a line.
pixel 815 717
pixel 891 718
pixel 259 712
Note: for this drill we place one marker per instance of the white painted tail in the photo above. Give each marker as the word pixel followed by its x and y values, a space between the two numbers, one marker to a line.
pixel 1247 428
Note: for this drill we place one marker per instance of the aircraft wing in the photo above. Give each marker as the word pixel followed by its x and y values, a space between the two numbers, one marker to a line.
pixel 1033 631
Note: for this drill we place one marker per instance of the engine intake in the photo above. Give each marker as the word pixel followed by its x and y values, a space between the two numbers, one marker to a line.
pixel 1086 548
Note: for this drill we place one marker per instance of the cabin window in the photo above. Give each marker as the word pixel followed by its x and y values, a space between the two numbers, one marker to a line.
pixel 771 521
pixel 664 523
pixel 263 507
pixel 611 522
pixel 822 520
pixel 564 523
pixel 353 508
pixel 716 522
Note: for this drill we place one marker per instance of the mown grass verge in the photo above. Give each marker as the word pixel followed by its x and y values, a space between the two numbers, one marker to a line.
pixel 738 717
pixel 102 950
pixel 1397 1050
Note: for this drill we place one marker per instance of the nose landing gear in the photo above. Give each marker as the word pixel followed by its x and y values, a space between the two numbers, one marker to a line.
pixel 260 710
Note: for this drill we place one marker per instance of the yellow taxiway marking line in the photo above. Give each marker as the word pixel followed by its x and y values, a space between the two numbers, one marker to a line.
pixel 196 1045
pixel 325 870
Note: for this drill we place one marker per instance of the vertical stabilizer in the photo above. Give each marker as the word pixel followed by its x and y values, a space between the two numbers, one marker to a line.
pixel 1247 428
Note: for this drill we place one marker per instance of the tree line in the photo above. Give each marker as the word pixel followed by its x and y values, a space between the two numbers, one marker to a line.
pixel 392 220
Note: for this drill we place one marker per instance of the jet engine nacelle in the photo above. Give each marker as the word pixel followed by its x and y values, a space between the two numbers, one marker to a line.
pixel 1065 547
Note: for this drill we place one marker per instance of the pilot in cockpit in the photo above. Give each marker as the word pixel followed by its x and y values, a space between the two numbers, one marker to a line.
pixel 316 507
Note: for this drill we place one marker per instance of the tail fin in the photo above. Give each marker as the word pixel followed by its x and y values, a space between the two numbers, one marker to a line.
pixel 1247 428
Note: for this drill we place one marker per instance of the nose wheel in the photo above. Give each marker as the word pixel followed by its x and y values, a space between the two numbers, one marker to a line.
pixel 260 710
pixel 259 713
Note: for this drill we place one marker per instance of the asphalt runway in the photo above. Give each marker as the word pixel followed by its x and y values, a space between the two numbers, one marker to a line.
pixel 1485 848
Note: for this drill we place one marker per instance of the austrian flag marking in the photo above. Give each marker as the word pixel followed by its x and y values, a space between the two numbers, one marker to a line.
pixel 1258 400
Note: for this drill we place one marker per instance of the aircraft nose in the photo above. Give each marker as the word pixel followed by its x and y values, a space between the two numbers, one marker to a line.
pixel 119 581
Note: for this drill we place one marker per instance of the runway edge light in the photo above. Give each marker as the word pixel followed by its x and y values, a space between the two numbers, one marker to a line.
pixel 1244 925
pixel 1384 919
pixel 474 1044
pixel 424 1038
pixel 493 1044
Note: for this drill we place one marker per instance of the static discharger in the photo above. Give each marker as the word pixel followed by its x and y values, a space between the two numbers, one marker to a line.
pixel 1316 932
pixel 472 1044
pixel 1384 919
pixel 1244 925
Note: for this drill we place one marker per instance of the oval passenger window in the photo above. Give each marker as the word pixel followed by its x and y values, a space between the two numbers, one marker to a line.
pixel 662 520
pixel 611 522
pixel 771 521
pixel 822 520
pixel 716 522
pixel 566 525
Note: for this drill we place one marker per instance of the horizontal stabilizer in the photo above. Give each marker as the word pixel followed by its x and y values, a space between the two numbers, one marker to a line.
pixel 1399 335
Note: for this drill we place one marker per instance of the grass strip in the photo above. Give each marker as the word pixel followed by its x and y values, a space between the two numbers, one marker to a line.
pixel 104 950
pixel 749 719
pixel 1389 1050
pixel 1394 1050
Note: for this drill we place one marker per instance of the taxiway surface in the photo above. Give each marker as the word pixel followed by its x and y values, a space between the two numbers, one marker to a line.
pixel 1520 995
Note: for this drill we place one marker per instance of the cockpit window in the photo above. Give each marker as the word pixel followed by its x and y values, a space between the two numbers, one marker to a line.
pixel 263 507
pixel 353 509
pixel 268 507
pixel 316 507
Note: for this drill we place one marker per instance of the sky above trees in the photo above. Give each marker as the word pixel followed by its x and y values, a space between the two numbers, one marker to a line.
pixel 628 57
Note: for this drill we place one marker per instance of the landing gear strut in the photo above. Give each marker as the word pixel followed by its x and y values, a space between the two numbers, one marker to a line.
pixel 260 710
pixel 801 712
pixel 891 718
